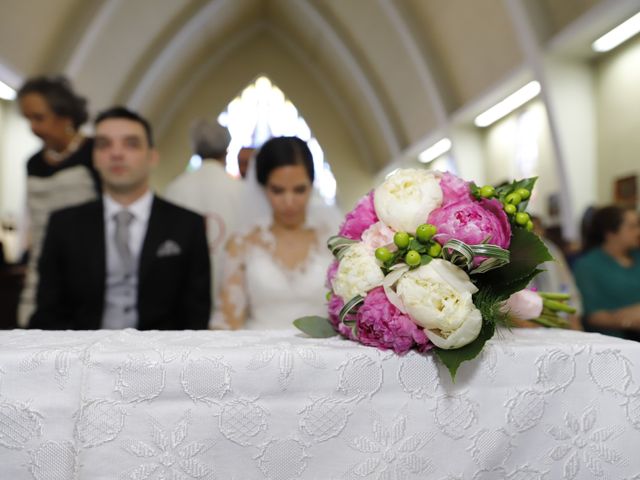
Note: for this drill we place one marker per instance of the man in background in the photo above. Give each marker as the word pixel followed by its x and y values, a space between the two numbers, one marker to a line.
pixel 210 191
pixel 129 259
pixel 244 159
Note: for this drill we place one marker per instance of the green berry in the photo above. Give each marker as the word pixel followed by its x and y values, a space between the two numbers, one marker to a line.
pixel 529 226
pixel 487 191
pixel 524 193
pixel 412 258
pixel 434 250
pixel 510 209
pixel 522 218
pixel 401 239
pixel 425 232
pixel 513 198
pixel 383 254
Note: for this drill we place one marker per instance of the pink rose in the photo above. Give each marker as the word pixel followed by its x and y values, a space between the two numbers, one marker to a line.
pixel 454 189
pixel 380 324
pixel 359 219
pixel 524 305
pixel 378 235
pixel 472 223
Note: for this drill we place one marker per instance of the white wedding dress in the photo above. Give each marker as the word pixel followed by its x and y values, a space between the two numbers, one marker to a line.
pixel 259 289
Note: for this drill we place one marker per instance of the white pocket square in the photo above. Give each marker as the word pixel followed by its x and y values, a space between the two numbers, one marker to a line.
pixel 168 248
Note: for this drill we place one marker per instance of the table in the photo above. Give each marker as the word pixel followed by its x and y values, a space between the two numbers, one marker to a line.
pixel 537 405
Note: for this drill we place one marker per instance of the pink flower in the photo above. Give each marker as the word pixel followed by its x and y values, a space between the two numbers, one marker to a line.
pixel 380 324
pixel 331 274
pixel 377 235
pixel 335 305
pixel 454 189
pixel 524 305
pixel 472 223
pixel 359 219
pixel 346 331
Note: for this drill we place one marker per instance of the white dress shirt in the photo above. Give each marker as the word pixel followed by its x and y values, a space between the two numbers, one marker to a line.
pixel 120 309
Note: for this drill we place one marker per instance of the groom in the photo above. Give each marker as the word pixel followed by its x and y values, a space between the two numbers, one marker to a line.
pixel 130 259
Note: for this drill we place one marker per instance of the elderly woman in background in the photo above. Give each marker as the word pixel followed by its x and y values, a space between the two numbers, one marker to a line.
pixel 61 174
pixel 608 274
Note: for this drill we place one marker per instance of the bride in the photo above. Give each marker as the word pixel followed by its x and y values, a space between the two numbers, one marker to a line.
pixel 275 273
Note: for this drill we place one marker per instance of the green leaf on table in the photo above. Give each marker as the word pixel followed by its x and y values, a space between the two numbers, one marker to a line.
pixel 454 357
pixel 315 326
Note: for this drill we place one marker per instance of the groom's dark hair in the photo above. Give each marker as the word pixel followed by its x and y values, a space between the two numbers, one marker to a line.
pixel 124 113
pixel 283 152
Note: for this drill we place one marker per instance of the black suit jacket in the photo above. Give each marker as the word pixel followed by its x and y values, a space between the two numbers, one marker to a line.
pixel 173 289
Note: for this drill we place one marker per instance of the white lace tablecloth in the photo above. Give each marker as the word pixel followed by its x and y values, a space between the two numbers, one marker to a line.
pixel 537 405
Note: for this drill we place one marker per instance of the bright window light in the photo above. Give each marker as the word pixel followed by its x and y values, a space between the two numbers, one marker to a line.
pixel 436 150
pixel 508 105
pixel 615 37
pixel 262 111
pixel 6 92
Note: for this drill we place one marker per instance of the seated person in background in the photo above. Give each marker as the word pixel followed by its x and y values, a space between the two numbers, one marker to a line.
pixel 210 191
pixel 557 276
pixel 276 272
pixel 608 274
pixel 129 259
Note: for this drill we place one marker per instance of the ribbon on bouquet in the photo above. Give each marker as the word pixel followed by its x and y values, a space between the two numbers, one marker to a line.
pixel 462 255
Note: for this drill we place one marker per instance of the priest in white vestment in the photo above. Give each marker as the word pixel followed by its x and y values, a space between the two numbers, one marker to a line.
pixel 210 191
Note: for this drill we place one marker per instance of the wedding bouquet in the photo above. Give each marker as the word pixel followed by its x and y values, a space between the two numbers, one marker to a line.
pixel 431 262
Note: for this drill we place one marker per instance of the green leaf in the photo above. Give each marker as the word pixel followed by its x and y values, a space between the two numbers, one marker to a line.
pixel 504 190
pixel 315 327
pixel 527 251
pixel 509 289
pixel 414 244
pixel 475 190
pixel 425 260
pixel 490 304
pixel 453 358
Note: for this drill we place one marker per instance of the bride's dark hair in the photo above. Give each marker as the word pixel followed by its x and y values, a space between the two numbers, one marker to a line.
pixel 281 152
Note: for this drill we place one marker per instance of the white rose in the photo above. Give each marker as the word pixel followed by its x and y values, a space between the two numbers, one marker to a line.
pixel 406 198
pixel 358 272
pixel 437 296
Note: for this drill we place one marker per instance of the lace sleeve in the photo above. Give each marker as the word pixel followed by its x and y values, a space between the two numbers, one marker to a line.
pixel 231 304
